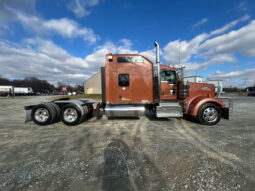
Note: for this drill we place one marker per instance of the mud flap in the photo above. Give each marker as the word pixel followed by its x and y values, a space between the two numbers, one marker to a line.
pixel 28 115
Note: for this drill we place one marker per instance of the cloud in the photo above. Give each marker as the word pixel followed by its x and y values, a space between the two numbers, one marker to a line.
pixel 80 7
pixel 209 45
pixel 241 40
pixel 35 59
pixel 25 13
pixel 224 58
pixel 201 22
pixel 150 54
pixel 187 49
pixel 242 78
pixel 230 25
pixel 63 26
pixel 45 60
pixel 215 48
pixel 6 15
pixel 243 6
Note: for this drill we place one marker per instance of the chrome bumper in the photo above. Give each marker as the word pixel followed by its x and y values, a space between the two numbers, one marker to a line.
pixel 228 110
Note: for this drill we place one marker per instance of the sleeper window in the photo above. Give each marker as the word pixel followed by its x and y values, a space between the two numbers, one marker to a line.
pixel 130 59
pixel 123 80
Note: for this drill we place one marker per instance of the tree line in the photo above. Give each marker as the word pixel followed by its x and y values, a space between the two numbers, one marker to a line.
pixel 40 86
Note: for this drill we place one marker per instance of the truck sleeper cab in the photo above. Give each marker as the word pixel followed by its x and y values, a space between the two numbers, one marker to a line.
pixel 132 84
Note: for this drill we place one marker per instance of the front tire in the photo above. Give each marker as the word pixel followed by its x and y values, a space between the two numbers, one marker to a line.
pixel 209 114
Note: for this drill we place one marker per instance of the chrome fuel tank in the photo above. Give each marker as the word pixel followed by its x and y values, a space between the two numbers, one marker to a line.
pixel 124 111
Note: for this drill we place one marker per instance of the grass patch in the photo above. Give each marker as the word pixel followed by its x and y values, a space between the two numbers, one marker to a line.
pixel 242 93
pixel 88 96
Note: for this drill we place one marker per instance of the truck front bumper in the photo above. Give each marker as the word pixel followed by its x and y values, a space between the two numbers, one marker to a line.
pixel 228 110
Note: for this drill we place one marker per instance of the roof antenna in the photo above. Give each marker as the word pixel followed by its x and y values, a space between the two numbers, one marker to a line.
pixel 179 55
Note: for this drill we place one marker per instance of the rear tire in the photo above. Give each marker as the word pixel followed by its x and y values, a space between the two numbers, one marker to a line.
pixel 58 111
pixel 71 115
pixel 43 114
pixel 85 115
pixel 209 114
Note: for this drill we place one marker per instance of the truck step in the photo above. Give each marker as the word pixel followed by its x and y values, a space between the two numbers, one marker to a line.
pixel 169 109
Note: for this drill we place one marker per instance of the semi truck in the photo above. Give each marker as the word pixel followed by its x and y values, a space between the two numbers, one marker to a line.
pixel 133 85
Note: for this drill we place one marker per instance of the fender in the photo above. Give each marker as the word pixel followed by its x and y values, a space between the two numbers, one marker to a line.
pixel 195 104
pixel 77 103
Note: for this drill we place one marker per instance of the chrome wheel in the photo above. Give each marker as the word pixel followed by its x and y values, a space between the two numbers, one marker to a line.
pixel 210 114
pixel 70 115
pixel 42 115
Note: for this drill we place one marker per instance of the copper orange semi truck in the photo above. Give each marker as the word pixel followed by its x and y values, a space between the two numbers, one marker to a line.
pixel 132 85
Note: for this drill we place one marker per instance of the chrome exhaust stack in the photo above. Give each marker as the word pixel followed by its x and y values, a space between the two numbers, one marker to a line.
pixel 158 65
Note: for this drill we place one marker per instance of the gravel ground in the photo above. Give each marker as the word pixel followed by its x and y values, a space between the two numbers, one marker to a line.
pixel 127 154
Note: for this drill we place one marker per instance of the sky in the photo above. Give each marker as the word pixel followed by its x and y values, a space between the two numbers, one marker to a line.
pixel 67 40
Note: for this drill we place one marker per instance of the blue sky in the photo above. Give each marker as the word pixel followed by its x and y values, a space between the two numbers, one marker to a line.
pixel 68 40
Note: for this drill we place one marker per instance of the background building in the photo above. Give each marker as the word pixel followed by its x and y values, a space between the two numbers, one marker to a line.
pixel 93 84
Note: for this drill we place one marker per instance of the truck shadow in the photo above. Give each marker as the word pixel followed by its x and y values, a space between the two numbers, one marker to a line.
pixel 116 176
pixel 121 162
pixel 123 118
pixel 152 116
pixel 191 119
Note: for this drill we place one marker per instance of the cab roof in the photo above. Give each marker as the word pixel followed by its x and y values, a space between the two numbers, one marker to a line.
pixel 162 66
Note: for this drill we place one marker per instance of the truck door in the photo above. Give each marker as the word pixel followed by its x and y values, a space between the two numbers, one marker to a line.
pixel 124 87
pixel 168 86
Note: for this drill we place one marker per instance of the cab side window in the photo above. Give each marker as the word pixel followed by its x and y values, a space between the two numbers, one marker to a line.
pixel 168 76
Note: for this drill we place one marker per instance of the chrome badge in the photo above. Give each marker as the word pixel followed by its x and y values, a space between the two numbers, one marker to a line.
pixel 206 88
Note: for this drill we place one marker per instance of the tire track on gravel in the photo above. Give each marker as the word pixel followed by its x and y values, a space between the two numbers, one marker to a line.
pixel 166 128
pixel 212 151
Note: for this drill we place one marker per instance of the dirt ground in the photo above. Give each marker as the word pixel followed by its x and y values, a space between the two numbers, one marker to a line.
pixel 127 154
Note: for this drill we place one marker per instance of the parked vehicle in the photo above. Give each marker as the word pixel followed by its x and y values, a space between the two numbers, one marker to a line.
pixel 251 93
pixel 6 90
pixel 23 91
pixel 132 84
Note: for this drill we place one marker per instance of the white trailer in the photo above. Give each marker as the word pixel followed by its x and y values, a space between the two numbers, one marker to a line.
pixel 195 79
pixel 23 91
pixel 6 90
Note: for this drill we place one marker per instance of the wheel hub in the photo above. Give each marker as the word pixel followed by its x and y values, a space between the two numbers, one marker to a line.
pixel 42 115
pixel 210 114
pixel 70 115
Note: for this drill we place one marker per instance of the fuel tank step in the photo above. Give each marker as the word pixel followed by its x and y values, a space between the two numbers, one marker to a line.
pixel 169 109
